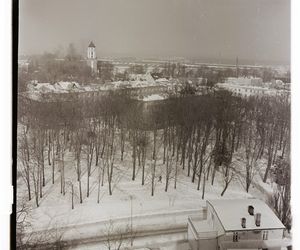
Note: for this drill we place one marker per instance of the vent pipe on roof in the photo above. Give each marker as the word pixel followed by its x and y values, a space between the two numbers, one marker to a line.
pixel 257 219
pixel 251 210
pixel 243 222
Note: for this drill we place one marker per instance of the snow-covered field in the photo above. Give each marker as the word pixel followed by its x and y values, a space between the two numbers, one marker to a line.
pixel 130 203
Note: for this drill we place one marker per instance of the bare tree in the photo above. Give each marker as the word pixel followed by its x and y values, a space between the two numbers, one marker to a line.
pixel 251 155
pixel 62 141
pixel 281 197
pixel 227 176
pixel 89 151
pixel 169 169
pixel 37 170
pixel 24 157
pixel 78 142
pixel 22 223
pixel 143 142
pixel 109 155
pixel 116 236
pixel 99 181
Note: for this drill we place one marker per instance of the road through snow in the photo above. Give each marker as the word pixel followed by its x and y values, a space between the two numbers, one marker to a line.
pixel 144 227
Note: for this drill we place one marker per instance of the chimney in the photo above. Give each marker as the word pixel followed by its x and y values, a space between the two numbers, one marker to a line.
pixel 257 219
pixel 243 222
pixel 251 210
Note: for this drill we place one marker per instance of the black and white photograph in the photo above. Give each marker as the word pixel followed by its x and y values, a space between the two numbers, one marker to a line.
pixel 153 124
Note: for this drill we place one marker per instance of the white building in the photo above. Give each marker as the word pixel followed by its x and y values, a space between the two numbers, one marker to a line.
pixel 245 87
pixel 249 81
pixel 248 90
pixel 92 57
pixel 236 224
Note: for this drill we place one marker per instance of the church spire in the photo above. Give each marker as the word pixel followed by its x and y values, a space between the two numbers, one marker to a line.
pixel 92 57
pixel 92 45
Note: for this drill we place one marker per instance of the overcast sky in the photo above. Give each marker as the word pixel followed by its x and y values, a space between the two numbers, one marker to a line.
pixel 250 29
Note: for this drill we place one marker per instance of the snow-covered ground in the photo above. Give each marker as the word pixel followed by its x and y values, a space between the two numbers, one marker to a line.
pixel 130 202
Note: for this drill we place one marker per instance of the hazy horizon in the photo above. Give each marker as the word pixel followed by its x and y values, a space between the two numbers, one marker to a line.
pixel 255 31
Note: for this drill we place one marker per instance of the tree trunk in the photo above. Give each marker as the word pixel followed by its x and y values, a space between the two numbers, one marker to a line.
pixel 122 144
pixel 109 184
pixel 176 166
pixel 167 172
pixel 28 184
pixel 199 180
pixel 53 161
pixel 40 176
pixel 36 189
pixel 134 155
pixel 63 173
pixel 183 155
pixel 43 167
pixel 165 144
pixel 99 181
pixel 143 165
pixel 72 196
pixel 153 177
pixel 225 188
pixel 97 153
pixel 154 144
pixel 270 157
pixel 203 186
pixel 80 190
pixel 213 175
pixel 49 149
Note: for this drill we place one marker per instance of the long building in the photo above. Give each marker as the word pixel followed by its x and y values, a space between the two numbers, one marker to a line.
pixel 245 87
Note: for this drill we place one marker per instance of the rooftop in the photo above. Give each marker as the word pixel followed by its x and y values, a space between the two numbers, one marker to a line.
pixel 92 45
pixel 154 97
pixel 230 212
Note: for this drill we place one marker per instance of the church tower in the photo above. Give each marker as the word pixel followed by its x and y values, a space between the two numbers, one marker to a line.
pixel 92 57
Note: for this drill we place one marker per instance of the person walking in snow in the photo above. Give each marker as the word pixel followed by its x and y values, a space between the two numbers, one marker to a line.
pixel 159 179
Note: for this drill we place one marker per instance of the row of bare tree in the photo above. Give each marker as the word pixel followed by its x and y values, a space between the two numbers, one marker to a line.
pixel 201 136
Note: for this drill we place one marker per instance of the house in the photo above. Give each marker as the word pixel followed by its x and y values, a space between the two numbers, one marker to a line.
pixel 236 224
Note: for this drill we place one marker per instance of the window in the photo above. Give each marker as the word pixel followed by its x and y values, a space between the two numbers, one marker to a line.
pixel 265 235
pixel 235 237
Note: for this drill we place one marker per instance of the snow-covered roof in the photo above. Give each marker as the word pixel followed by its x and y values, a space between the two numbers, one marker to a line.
pixel 244 80
pixel 139 81
pixel 154 97
pixel 35 89
pixel 59 87
pixel 231 211
pixel 67 86
pixel 44 87
pixel 231 85
pixel 141 78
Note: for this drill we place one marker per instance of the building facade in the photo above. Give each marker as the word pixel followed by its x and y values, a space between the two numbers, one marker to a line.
pixel 237 224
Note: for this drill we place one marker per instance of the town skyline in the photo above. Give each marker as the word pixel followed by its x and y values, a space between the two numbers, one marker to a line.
pixel 258 32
